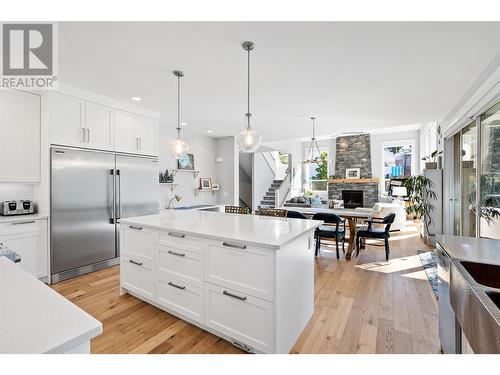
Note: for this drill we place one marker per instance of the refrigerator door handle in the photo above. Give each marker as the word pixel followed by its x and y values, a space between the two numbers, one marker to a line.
pixel 119 195
pixel 112 220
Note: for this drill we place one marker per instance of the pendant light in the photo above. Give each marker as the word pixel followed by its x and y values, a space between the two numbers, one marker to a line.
pixel 313 148
pixel 178 148
pixel 248 139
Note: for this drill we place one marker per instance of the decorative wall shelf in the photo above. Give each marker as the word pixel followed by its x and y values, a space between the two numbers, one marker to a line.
pixel 352 180
pixel 172 185
pixel 193 171
pixel 196 191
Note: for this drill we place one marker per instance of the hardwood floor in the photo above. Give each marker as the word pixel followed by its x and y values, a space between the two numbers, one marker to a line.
pixel 365 305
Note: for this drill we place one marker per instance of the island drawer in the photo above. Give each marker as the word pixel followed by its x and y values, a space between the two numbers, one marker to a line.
pixel 136 275
pixel 180 296
pixel 22 226
pixel 178 238
pixel 240 316
pixel 182 262
pixel 246 269
pixel 138 240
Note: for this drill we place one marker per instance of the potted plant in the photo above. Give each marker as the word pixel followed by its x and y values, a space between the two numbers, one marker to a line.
pixel 432 164
pixel 421 194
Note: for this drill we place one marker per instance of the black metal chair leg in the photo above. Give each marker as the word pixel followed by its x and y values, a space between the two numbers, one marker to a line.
pixel 318 244
pixel 337 247
pixel 357 245
pixel 387 249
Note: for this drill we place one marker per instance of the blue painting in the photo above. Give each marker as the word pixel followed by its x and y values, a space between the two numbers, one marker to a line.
pixel 186 162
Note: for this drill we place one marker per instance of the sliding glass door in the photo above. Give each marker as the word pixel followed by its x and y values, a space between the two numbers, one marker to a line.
pixel 490 173
pixel 468 164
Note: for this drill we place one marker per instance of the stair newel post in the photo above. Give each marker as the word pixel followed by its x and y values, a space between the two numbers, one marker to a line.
pixel 277 198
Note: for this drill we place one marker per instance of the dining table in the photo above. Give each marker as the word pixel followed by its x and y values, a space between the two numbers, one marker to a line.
pixel 352 215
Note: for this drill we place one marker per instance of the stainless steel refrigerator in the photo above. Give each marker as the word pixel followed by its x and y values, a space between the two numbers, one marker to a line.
pixel 90 191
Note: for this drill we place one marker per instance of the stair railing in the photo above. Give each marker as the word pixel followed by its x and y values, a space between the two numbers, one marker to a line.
pixel 283 191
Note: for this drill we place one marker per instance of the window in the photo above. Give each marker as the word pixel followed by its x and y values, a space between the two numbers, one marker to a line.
pixel 317 174
pixel 397 160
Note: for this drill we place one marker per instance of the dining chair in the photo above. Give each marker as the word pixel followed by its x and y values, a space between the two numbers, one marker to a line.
pixel 296 215
pixel 376 232
pixel 235 210
pixel 333 228
pixel 276 212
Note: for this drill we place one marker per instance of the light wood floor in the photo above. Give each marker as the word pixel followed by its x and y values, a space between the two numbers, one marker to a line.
pixel 364 305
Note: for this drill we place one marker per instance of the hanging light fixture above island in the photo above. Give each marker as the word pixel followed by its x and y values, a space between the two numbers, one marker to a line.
pixel 178 148
pixel 248 140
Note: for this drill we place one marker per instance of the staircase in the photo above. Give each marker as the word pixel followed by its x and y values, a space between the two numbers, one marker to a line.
pixel 268 201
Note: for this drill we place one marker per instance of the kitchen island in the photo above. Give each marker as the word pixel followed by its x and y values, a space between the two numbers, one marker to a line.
pixel 35 319
pixel 248 279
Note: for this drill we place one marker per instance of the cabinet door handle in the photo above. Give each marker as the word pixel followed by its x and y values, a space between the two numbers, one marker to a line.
pixel 226 293
pixel 23 222
pixel 88 135
pixel 175 234
pixel 135 227
pixel 134 262
pixel 235 245
pixel 136 143
pixel 177 254
pixel 83 135
pixel 176 286
pixel 140 143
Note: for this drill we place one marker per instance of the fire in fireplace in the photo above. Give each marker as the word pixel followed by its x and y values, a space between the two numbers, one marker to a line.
pixel 352 198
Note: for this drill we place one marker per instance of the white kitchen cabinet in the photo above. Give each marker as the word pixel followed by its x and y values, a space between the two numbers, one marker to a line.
pixel 20 135
pixel 145 132
pixel 125 140
pixel 67 120
pixel 98 126
pixel 28 238
pixel 135 134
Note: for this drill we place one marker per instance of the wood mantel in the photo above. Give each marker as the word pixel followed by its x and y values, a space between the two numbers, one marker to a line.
pixel 352 180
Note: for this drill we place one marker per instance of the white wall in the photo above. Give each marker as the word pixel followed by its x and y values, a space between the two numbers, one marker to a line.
pixel 227 172
pixel 204 150
pixel 11 191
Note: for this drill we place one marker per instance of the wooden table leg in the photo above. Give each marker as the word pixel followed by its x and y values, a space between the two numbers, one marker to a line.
pixel 352 237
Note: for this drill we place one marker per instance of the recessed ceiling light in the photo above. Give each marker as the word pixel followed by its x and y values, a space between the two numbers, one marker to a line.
pixel 136 98
pixel 184 123
pixel 210 131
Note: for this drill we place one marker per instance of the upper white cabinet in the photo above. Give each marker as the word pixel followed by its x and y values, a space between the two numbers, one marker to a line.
pixel 67 120
pixel 98 126
pixel 124 132
pixel 20 135
pixel 84 123
pixel 135 134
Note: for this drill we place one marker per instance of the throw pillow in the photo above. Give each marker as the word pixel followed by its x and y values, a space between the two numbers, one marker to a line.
pixel 316 200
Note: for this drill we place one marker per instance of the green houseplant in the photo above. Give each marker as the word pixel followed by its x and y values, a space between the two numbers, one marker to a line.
pixel 421 194
pixel 430 160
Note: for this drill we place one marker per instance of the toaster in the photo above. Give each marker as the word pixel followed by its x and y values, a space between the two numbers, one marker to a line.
pixel 17 207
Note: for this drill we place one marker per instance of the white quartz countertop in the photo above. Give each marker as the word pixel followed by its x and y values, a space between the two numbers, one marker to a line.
pixel 36 319
pixel 264 231
pixel 481 250
pixel 16 218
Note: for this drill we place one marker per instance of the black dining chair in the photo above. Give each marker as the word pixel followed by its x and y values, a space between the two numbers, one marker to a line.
pixel 333 228
pixel 296 215
pixel 376 232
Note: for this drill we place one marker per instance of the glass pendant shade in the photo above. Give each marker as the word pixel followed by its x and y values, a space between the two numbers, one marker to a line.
pixel 178 148
pixel 249 140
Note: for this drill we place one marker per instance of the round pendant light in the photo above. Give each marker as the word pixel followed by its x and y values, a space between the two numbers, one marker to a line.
pixel 178 148
pixel 248 140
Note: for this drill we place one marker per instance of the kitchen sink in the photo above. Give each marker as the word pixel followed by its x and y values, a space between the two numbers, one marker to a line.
pixel 495 297
pixel 484 274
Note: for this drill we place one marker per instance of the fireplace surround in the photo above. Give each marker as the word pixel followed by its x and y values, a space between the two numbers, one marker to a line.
pixel 352 198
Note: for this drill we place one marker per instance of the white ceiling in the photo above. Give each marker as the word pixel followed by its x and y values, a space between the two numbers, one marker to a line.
pixel 353 76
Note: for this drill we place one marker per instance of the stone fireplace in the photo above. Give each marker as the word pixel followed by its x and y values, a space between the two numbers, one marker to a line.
pixel 354 152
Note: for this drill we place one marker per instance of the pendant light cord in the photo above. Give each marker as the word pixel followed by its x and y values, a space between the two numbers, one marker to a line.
pixel 248 91
pixel 179 107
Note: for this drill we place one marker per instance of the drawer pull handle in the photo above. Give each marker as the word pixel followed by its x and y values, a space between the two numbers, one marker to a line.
pixel 226 293
pixel 177 254
pixel 236 246
pixel 134 262
pixel 175 234
pixel 135 227
pixel 176 286
pixel 23 222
